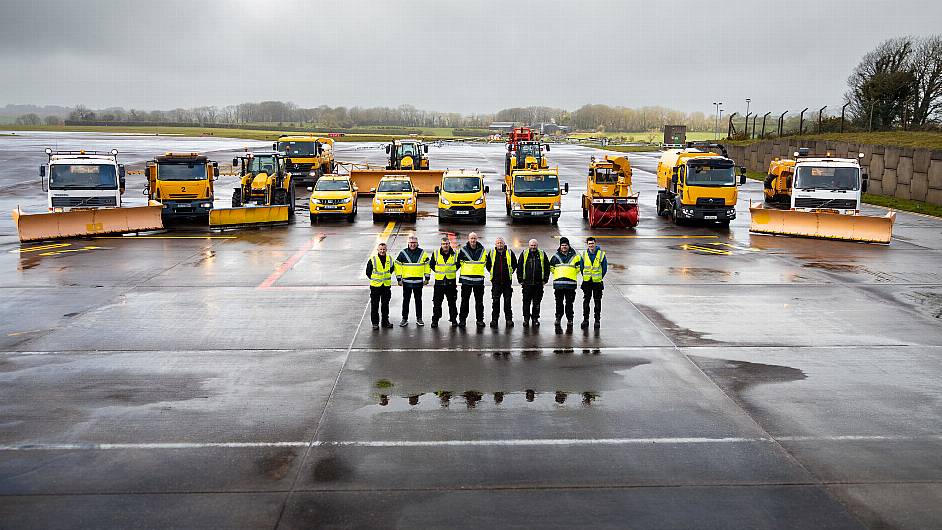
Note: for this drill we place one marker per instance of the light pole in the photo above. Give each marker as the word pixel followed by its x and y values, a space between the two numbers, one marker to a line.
pixel 716 124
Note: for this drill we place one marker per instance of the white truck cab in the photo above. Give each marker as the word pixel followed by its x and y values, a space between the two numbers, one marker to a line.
pixel 82 180
pixel 827 183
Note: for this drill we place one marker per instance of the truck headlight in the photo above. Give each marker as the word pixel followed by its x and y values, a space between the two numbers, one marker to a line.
pixel 555 206
pixel 731 212
pixel 315 201
pixel 445 201
pixel 515 206
pixel 410 200
pixel 312 173
pixel 376 201
pixel 479 201
pixel 687 211
pixel 206 205
pixel 345 201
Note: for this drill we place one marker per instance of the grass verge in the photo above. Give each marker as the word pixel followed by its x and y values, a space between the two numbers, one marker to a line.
pixel 915 139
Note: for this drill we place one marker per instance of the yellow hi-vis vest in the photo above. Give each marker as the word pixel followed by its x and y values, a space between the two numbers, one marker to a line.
pixel 565 274
pixel 409 271
pixel 472 271
pixel 446 268
pixel 592 270
pixel 382 273
pixel 510 271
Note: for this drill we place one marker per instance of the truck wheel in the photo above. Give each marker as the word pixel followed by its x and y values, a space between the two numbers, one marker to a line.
pixel 585 213
pixel 279 197
pixel 313 219
pixel 236 198
pixel 291 203
pixel 554 220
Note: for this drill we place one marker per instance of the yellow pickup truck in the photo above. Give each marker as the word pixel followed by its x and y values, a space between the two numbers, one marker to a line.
pixel 395 196
pixel 333 196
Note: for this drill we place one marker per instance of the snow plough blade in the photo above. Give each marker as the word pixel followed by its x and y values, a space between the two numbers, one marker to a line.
pixel 248 216
pixel 824 225
pixel 77 223
pixel 424 181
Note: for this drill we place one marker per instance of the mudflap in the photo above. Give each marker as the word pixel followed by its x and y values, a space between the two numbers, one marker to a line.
pixel 823 225
pixel 77 223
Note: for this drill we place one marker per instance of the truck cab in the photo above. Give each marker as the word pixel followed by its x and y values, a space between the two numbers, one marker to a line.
pixel 183 183
pixel 698 184
pixel 395 195
pixel 534 193
pixel 407 154
pixel 82 180
pixel 827 184
pixel 462 195
pixel 307 157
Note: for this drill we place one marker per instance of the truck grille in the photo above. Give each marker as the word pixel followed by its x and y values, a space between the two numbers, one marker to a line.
pixel 837 204
pixel 711 201
pixel 299 167
pixel 536 206
pixel 394 203
pixel 333 201
pixel 182 195
pixel 74 202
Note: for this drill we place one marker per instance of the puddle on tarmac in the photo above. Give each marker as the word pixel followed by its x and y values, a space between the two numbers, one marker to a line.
pixel 833 267
pixel 740 376
pixel 676 332
pixel 703 273
pixel 929 301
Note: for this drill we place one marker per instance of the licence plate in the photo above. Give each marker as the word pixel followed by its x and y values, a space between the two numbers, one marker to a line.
pixel 709 217
pixel 330 207
pixel 393 210
pixel 462 212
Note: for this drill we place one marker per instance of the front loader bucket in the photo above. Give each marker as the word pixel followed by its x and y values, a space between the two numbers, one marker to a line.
pixel 823 225
pixel 423 180
pixel 58 225
pixel 248 216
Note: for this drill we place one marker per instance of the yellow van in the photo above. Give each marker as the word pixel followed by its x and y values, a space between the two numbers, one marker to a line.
pixel 462 195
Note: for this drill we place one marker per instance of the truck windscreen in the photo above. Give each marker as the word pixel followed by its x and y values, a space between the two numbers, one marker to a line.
pixel 407 150
pixel 536 185
pixel 83 177
pixel 827 178
pixel 299 149
pixel 394 186
pixel 710 175
pixel 332 185
pixel 181 171
pixel 461 184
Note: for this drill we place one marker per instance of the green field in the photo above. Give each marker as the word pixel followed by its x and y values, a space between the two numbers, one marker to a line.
pixel 920 139
pixel 650 137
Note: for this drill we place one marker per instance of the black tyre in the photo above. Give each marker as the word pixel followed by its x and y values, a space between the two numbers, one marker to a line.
pixel 554 220
pixel 279 197
pixel 313 219
pixel 237 198
pixel 585 213
pixel 291 203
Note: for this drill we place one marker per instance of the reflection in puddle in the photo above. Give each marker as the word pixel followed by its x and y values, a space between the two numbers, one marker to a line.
pixel 474 399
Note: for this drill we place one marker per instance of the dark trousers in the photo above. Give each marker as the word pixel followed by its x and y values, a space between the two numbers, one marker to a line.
pixel 466 291
pixel 379 298
pixel 411 290
pixel 440 292
pixel 498 292
pixel 532 298
pixel 564 297
pixel 591 290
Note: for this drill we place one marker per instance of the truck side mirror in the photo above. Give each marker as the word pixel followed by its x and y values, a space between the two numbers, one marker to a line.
pixel 566 188
pixel 274 146
pixel 503 188
pixel 387 149
pixel 864 185
pixel 42 171
pixel 426 148
pixel 742 179
pixel 310 188
pixel 547 147
pixel 121 171
pixel 215 170
pixel 436 189
pixel 372 190
pixel 235 162
pixel 487 189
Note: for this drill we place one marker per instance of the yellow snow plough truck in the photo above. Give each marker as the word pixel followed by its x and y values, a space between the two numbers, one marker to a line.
pixel 609 201
pixel 698 183
pixel 307 157
pixel 818 196
pixel 265 194
pixel 83 194
pixel 183 183
pixel 407 158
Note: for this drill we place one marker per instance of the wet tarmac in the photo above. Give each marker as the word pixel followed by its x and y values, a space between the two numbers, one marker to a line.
pixel 231 380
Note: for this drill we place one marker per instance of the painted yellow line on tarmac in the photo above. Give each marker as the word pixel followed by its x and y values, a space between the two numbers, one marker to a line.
pixel 167 237
pixel 640 237
pixel 41 247
pixel 707 249
pixel 384 236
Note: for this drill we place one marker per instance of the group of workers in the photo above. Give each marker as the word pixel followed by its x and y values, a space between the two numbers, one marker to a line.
pixel 470 264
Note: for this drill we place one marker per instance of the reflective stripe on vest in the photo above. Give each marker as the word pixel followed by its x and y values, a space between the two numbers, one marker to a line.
pixel 381 276
pixel 413 271
pixel 592 270
pixel 565 274
pixel 510 273
pixel 445 268
pixel 473 270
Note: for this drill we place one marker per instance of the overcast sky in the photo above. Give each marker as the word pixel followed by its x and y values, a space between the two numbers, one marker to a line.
pixel 448 55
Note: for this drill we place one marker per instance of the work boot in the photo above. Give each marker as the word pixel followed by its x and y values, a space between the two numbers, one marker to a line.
pixel 481 323
pixel 419 322
pixel 510 323
pixel 526 322
pixel 375 327
pixel 387 324
pixel 461 324
pixel 559 322
pixel 585 324
pixel 494 324
pixel 536 322
pixel 454 323
pixel 403 323
pixel 434 323
pixel 598 324
pixel 569 324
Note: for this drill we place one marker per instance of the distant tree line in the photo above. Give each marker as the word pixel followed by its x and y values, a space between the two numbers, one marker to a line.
pixel 898 85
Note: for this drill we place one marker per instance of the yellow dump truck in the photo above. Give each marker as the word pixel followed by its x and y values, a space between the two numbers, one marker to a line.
pixel 698 183
pixel 406 158
pixel 609 200
pixel 83 194
pixel 307 156
pixel 818 196
pixel 265 194
pixel 183 183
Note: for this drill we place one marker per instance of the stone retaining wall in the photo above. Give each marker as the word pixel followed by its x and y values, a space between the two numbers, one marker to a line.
pixel 902 172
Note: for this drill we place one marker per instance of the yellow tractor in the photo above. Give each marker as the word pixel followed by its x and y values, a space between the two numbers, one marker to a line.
pixel 609 201
pixel 265 194
pixel 778 183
